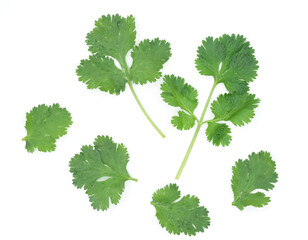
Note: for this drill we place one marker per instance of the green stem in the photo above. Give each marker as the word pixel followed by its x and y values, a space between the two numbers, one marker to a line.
pixel 133 179
pixel 200 122
pixel 130 84
pixel 143 110
pixel 208 121
pixel 192 114
pixel 237 198
pixel 188 152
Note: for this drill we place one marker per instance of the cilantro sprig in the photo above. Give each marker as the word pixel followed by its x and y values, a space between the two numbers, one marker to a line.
pixel 179 215
pixel 256 172
pixel 229 60
pixel 109 42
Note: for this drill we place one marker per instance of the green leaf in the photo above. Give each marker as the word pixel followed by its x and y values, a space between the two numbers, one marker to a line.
pixel 44 125
pixel 218 133
pixel 183 121
pixel 256 172
pixel 177 93
pixel 210 55
pixel 112 36
pixel 179 215
pixel 230 60
pixel 148 59
pixel 237 108
pixel 101 72
pixel 101 170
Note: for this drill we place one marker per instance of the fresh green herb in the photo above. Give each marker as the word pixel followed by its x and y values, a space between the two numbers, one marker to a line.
pixel 109 42
pixel 44 125
pixel 256 172
pixel 229 60
pixel 101 170
pixel 179 215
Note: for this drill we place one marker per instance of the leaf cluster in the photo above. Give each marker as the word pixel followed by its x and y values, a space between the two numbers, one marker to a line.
pixel 229 60
pixel 109 42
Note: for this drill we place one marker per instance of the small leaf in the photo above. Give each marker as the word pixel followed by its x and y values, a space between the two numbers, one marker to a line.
pixel 177 93
pixel 256 172
pixel 112 36
pixel 148 59
pixel 183 121
pixel 44 125
pixel 179 215
pixel 236 108
pixel 101 72
pixel 105 161
pixel 218 133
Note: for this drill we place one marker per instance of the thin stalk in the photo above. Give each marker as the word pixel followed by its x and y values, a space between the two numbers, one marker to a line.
pixel 200 122
pixel 212 120
pixel 143 110
pixel 133 179
pixel 130 84
pixel 237 198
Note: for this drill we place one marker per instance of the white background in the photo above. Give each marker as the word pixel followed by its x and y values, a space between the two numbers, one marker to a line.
pixel 41 44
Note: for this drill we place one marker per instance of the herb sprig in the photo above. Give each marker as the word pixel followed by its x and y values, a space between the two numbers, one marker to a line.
pixel 109 42
pixel 229 60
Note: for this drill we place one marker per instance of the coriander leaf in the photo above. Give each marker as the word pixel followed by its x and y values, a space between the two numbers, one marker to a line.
pixel 113 36
pixel 101 72
pixel 179 215
pixel 230 60
pixel 177 93
pixel 183 121
pixel 210 55
pixel 257 199
pixel 256 172
pixel 148 59
pixel 237 108
pixel 101 170
pixel 44 125
pixel 218 133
